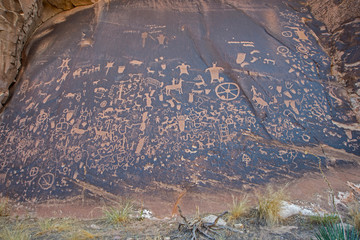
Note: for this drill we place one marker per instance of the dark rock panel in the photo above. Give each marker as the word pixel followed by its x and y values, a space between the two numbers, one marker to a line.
pixel 140 96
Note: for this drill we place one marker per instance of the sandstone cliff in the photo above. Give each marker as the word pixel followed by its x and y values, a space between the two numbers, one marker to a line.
pixel 342 41
pixel 18 20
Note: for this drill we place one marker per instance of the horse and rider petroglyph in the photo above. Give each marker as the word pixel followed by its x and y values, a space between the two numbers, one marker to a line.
pixel 174 86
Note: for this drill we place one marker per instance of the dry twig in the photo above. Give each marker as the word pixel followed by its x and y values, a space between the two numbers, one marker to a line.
pixel 199 228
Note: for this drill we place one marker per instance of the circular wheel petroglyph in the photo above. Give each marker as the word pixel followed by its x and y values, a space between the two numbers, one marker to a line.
pixel 46 181
pixel 283 50
pixel 227 91
pixel 286 34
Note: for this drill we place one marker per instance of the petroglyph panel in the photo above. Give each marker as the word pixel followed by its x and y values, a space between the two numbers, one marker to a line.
pixel 161 98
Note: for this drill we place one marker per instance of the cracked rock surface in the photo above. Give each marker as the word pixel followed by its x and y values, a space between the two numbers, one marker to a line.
pixel 17 20
pixel 144 96
pixel 342 41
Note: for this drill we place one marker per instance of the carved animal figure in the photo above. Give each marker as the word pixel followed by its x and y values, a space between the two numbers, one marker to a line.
pixel 176 87
pixel 77 73
pixel 257 99
pixel 202 81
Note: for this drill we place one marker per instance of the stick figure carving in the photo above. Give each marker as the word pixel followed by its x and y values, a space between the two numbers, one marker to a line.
pixel 65 64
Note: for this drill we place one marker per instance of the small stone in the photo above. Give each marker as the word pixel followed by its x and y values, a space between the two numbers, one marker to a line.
pixel 212 218
pixel 239 225
pixel 166 238
pixel 289 209
pixel 94 226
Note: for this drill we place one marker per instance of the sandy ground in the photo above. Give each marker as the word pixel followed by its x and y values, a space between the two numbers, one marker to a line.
pixel 86 215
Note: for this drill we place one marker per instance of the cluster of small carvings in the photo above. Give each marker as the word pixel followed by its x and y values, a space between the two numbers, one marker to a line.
pixel 342 19
pixel 147 106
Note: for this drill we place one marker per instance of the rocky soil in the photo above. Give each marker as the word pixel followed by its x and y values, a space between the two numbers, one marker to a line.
pixel 294 228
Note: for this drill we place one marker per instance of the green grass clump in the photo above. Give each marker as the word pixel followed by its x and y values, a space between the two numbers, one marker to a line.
pixel 269 205
pixel 238 208
pixel 119 214
pixel 324 220
pixel 336 232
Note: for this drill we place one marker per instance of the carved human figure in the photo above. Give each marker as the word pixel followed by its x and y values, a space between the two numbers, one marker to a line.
pixel 63 77
pixel 148 100
pixel 215 73
pixel 65 64
pixel 183 69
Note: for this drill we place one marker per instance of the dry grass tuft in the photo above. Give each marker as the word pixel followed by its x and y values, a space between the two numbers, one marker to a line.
pixel 238 208
pixel 119 214
pixel 4 207
pixel 47 226
pixel 81 235
pixel 270 205
pixel 18 232
pixel 355 216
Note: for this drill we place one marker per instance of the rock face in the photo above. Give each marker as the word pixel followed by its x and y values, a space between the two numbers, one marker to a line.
pixel 18 19
pixel 342 41
pixel 141 96
pixel 69 4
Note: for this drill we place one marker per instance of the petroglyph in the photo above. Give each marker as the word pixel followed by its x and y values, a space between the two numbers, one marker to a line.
pixel 227 91
pixel 175 86
pixel 65 64
pixel 215 73
pixel 183 69
pixel 149 109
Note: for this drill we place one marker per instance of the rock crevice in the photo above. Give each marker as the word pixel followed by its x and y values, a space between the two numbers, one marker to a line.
pixel 341 40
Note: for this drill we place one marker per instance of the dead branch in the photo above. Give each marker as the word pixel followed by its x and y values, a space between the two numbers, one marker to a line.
pixel 196 227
